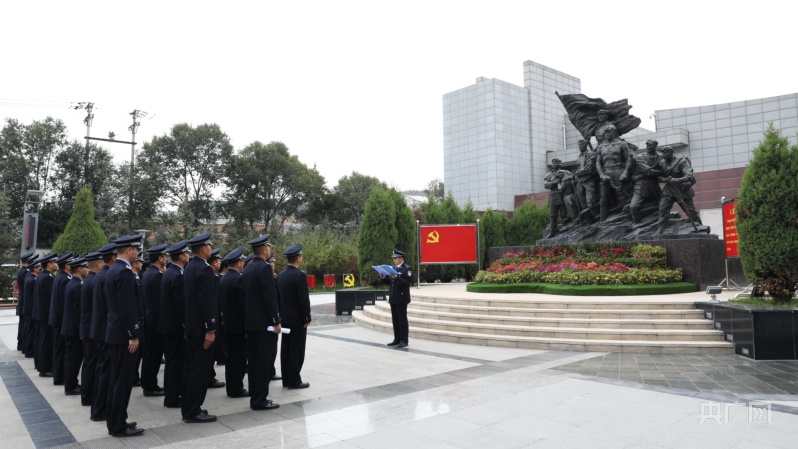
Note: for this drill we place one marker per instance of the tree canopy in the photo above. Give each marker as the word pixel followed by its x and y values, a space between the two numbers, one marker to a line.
pixel 82 233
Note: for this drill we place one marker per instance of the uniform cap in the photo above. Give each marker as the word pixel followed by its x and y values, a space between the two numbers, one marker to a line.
pixel 93 256
pixel 129 240
pixel 108 249
pixel 216 254
pixel 157 250
pixel 79 262
pixel 179 247
pixel 397 253
pixel 27 257
pixel 260 241
pixel 66 258
pixel 234 255
pixel 202 239
pixel 293 250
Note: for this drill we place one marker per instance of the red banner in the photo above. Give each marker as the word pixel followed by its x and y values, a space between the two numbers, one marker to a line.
pixel 448 243
pixel 730 228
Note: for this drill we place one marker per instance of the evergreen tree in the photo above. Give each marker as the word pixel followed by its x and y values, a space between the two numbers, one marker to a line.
pixel 405 227
pixel 493 226
pixel 767 217
pixel 83 233
pixel 527 224
pixel 9 237
pixel 470 216
pixel 377 235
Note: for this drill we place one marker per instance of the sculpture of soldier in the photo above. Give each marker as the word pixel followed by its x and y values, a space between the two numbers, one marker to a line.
pixel 587 182
pixel 645 179
pixel 554 181
pixel 614 164
pixel 677 174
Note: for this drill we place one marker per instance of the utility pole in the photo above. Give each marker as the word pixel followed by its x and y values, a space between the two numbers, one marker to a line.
pixel 136 114
pixel 88 106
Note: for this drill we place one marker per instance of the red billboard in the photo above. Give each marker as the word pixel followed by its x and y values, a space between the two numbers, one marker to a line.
pixel 730 228
pixel 448 243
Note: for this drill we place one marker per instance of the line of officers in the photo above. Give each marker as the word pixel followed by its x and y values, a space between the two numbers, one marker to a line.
pixel 109 311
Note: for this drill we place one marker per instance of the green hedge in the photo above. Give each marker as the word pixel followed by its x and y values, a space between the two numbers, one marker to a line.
pixel 634 276
pixel 586 290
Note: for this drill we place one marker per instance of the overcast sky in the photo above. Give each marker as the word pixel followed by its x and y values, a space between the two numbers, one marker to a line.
pixel 358 86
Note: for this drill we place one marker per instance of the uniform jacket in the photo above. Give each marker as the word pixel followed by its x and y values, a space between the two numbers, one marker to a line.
pixel 231 296
pixel 99 311
pixel 173 304
pixel 202 302
pixel 86 304
pixel 70 326
pixel 57 299
pixel 151 290
pixel 292 285
pixel 400 287
pixel 122 294
pixel 29 286
pixel 41 294
pixel 262 309
pixel 21 292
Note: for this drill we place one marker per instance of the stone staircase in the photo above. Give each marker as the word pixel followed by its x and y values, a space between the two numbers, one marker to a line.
pixel 663 324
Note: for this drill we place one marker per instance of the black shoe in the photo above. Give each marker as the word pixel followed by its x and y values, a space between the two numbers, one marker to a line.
pixel 73 392
pixel 98 418
pixel 220 363
pixel 200 419
pixel 132 424
pixel 401 345
pixel 299 386
pixel 175 405
pixel 393 343
pixel 216 384
pixel 156 392
pixel 276 377
pixel 137 383
pixel 268 406
pixel 242 394
pixel 86 403
pixel 46 374
pixel 128 432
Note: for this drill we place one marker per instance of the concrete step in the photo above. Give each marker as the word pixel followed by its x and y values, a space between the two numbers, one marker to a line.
pixel 549 343
pixel 570 303
pixel 523 330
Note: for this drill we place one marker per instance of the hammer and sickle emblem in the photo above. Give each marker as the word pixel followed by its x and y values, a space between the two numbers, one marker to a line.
pixel 433 237
pixel 349 280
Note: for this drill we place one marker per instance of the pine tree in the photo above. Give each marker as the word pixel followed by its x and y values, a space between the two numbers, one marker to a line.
pixel 470 216
pixel 493 228
pixel 527 224
pixel 377 235
pixel 767 217
pixel 83 233
pixel 405 228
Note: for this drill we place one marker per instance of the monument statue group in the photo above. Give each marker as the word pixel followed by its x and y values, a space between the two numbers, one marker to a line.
pixel 616 193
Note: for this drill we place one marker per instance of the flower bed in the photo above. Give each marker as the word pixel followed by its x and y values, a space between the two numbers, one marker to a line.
pixel 585 264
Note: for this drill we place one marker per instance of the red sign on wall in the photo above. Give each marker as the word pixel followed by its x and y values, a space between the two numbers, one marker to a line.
pixel 730 228
pixel 448 243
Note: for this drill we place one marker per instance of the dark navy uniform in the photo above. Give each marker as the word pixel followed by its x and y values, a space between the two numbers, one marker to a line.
pixel 99 323
pixel 122 294
pixel 70 330
pixel 29 342
pixel 231 297
pixel 89 371
pixel 399 298
pixel 20 282
pixel 295 313
pixel 170 325
pixel 153 341
pixel 56 317
pixel 42 293
pixel 261 312
pixel 202 308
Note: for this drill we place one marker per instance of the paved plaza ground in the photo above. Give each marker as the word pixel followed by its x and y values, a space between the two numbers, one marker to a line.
pixel 438 395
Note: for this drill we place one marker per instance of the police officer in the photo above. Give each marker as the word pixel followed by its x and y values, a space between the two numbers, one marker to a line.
pixel 295 312
pixel 29 342
pixel 202 308
pixel 231 297
pixel 99 323
pixel 261 312
pixel 89 370
pixel 153 341
pixel 399 298
pixel 70 326
pixel 215 261
pixel 171 326
pixel 57 315
pixel 20 282
pixel 42 292
pixel 123 330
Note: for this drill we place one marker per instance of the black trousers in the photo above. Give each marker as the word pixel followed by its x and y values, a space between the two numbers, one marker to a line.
pixel 73 358
pixel 175 354
pixel 236 363
pixel 196 372
pixel 30 337
pixel 151 359
pixel 59 355
pixel 44 347
pixel 221 348
pixel 89 371
pixel 399 319
pixel 102 379
pixel 20 332
pixel 292 355
pixel 122 373
pixel 262 352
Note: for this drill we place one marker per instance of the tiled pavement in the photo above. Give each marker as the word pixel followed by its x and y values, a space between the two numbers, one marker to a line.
pixel 441 395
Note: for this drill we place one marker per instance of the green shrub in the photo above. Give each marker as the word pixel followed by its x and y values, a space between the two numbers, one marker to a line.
pixel 83 233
